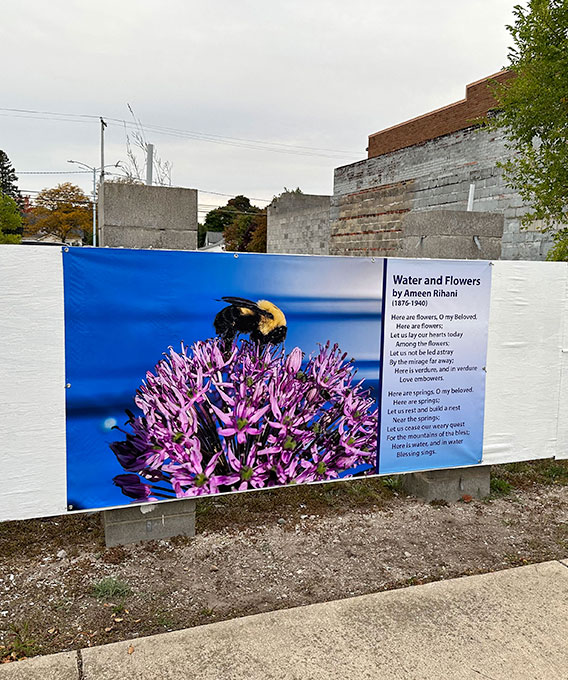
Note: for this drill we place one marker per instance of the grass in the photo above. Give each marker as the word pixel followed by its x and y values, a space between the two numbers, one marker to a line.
pixel 110 588
pixel 164 619
pixel 393 483
pixel 500 487
pixel 527 474
pixel 31 536
pixel 366 493
pixel 77 532
pixel 20 643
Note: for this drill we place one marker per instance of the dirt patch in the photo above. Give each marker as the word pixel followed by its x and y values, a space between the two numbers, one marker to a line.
pixel 61 589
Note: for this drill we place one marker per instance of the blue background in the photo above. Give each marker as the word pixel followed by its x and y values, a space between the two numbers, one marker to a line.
pixel 124 308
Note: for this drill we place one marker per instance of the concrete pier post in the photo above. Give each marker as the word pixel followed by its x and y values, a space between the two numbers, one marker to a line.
pixel 149 522
pixel 448 485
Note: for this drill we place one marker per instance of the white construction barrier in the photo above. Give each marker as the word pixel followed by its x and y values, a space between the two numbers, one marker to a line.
pixel 526 397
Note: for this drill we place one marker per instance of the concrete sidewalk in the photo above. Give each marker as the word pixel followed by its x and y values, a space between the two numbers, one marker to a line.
pixel 500 626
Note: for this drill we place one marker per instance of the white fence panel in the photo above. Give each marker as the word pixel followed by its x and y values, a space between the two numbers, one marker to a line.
pixel 32 385
pixel 524 362
pixel 562 451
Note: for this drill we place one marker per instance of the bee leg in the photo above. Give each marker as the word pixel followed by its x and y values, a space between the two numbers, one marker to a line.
pixel 227 339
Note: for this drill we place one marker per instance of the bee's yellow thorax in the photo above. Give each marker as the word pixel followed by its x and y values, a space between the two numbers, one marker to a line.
pixel 278 319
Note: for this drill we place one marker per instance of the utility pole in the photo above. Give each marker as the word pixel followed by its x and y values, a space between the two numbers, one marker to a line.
pixel 101 186
pixel 94 207
pixel 149 163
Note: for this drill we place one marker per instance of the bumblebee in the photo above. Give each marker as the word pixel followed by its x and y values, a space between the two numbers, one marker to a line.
pixel 263 321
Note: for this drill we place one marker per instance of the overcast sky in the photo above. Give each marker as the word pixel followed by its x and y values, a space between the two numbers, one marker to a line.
pixel 322 74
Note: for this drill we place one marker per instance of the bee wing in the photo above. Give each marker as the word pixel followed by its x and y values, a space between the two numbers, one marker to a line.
pixel 248 304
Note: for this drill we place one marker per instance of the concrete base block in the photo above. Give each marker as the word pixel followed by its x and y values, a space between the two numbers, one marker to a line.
pixel 142 237
pixel 449 234
pixel 150 207
pixel 149 522
pixel 448 485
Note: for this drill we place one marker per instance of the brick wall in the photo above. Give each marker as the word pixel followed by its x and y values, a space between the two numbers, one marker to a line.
pixel 458 116
pixel 372 196
pixel 299 224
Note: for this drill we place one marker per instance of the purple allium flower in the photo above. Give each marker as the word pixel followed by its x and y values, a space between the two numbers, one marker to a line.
pixel 213 422
pixel 241 421
pixel 132 486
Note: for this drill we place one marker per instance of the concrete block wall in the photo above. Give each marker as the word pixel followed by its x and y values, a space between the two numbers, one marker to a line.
pixel 140 216
pixel 299 224
pixel 452 234
pixel 369 221
pixel 372 196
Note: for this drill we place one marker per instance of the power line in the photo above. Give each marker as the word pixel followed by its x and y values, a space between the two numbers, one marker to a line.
pixel 201 207
pixel 213 137
pixel 115 174
pixel 252 198
pixel 259 145
pixel 137 124
pixel 54 172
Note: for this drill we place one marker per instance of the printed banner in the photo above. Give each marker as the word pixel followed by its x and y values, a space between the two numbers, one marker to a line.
pixel 433 374
pixel 193 374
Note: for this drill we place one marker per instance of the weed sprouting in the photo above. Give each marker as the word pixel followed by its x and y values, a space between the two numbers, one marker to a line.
pixel 393 483
pixel 109 588
pixel 20 643
pixel 500 487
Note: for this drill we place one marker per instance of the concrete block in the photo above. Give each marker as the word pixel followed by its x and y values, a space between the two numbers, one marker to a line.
pixel 449 234
pixel 451 247
pixel 437 175
pixel 127 205
pixel 449 485
pixel 453 223
pixel 141 237
pixel 149 522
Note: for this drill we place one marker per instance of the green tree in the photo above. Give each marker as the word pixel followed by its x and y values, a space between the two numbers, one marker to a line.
pixel 257 242
pixel 64 211
pixel 247 233
pixel 8 179
pixel 10 220
pixel 220 218
pixel 534 110
pixel 559 251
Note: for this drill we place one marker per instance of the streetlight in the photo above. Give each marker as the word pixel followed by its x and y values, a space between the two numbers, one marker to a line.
pixel 94 171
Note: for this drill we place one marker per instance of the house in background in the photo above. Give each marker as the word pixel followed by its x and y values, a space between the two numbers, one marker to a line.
pixel 52 239
pixel 214 242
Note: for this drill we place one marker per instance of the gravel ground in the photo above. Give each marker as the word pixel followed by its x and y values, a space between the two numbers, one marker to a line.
pixel 60 589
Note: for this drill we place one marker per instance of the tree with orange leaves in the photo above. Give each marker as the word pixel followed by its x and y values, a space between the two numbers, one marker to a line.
pixel 64 211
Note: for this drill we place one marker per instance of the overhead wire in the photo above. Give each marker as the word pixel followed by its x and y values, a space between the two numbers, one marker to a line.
pixel 54 172
pixel 202 208
pixel 115 174
pixel 254 144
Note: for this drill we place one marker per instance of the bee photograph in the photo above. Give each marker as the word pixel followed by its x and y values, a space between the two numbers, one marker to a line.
pixel 196 374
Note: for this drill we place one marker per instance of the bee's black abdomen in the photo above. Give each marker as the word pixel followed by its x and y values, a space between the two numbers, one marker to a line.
pixel 230 321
